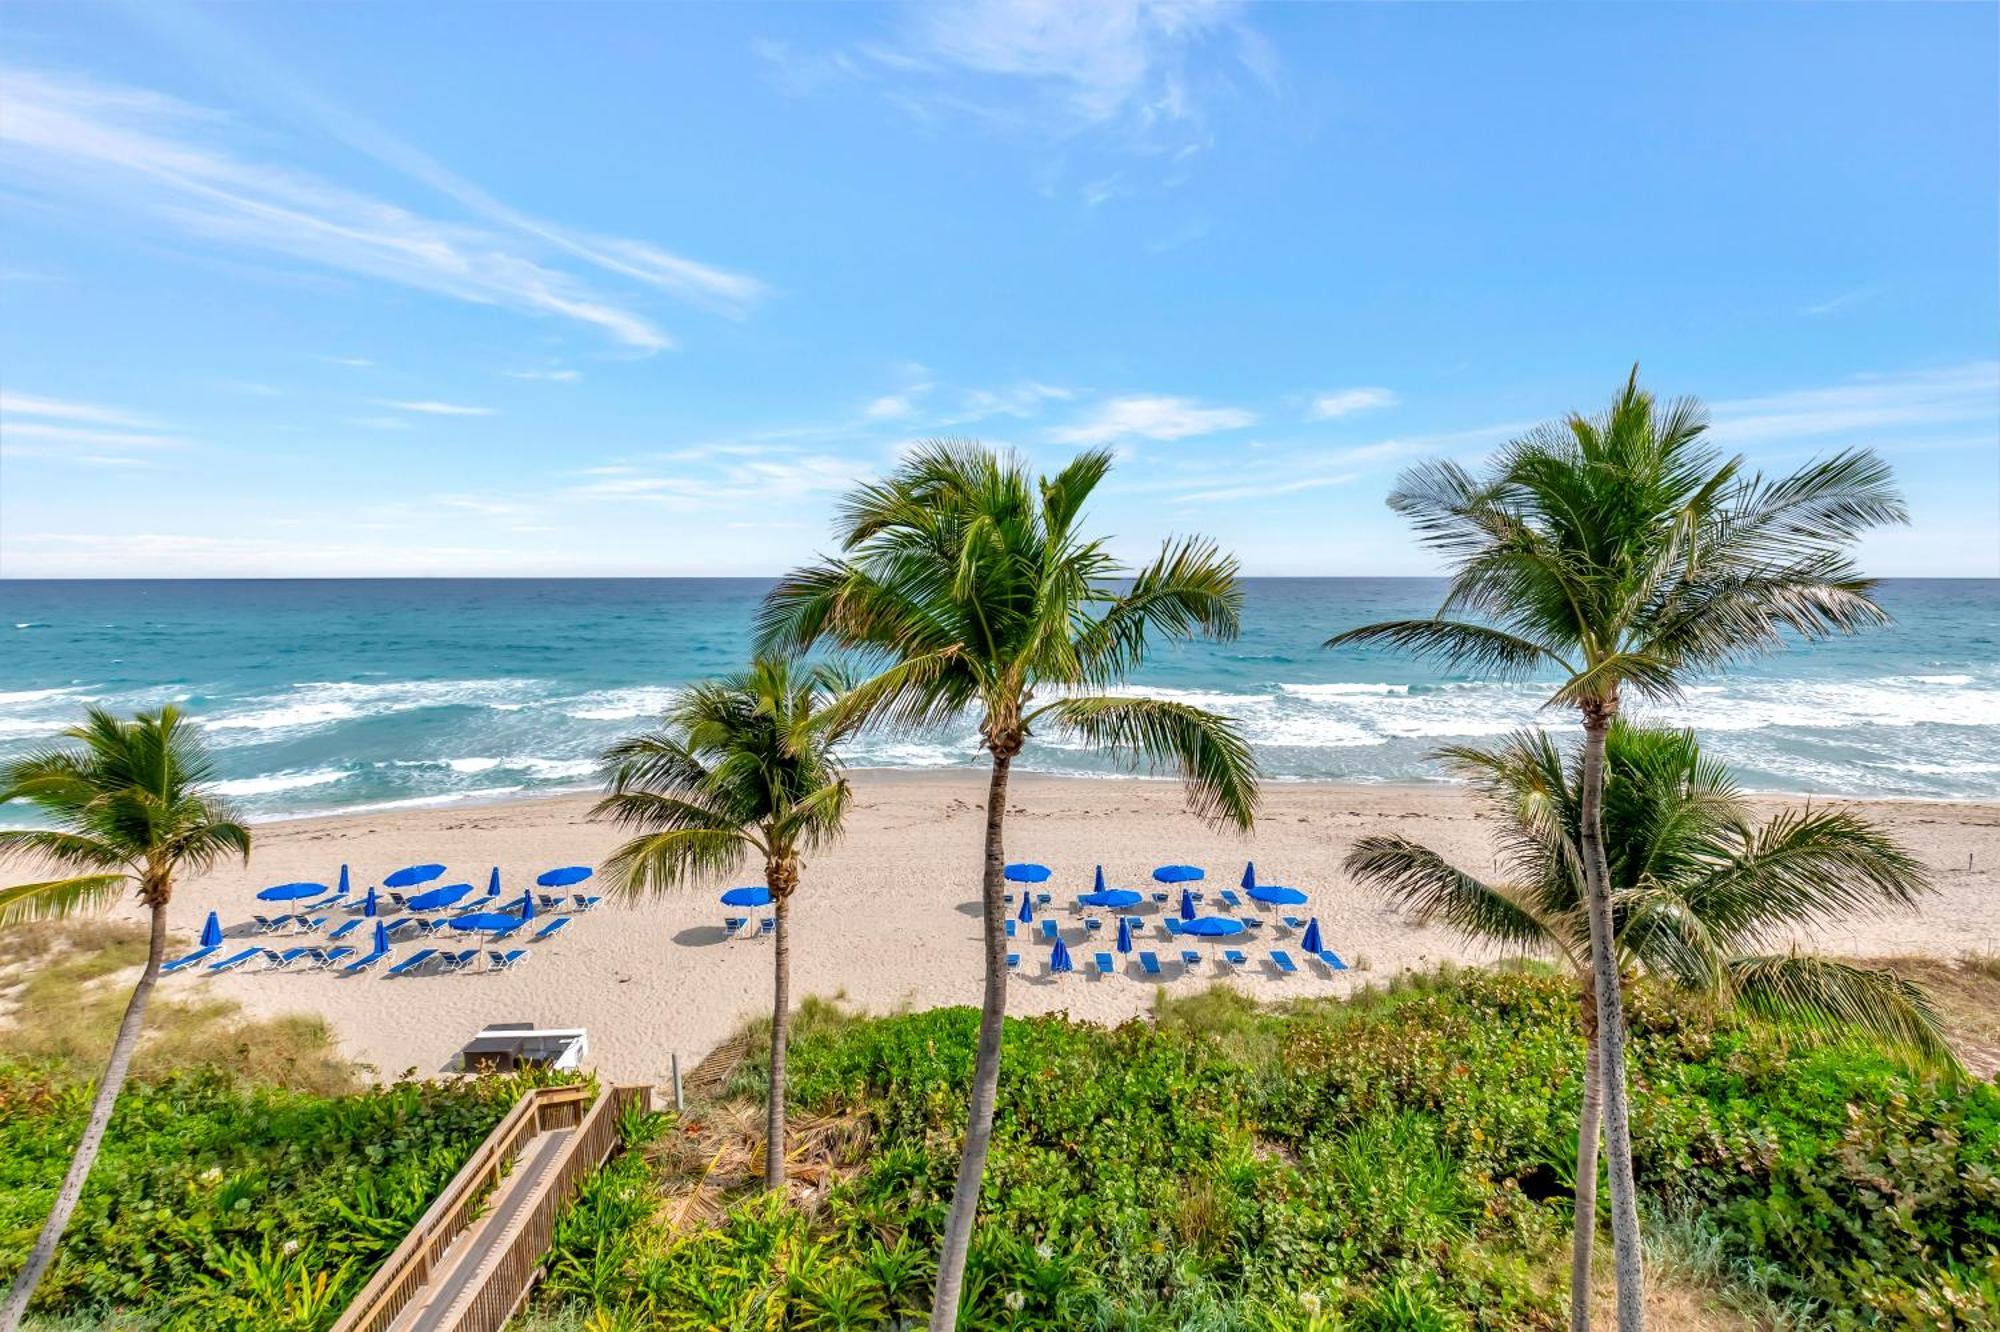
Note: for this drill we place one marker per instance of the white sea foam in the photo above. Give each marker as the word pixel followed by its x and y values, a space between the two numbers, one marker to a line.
pixel 272 783
pixel 31 725
pixel 620 704
pixel 322 703
pixel 1342 690
pixel 414 802
pixel 37 695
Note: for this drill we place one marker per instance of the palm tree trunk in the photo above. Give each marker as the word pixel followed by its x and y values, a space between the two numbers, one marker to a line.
pixel 986 1071
pixel 1586 1179
pixel 1610 1031
pixel 781 1033
pixel 113 1082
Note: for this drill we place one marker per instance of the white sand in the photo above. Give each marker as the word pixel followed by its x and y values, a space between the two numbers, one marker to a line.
pixel 889 918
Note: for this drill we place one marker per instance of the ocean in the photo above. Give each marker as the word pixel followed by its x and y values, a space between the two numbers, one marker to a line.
pixel 354 695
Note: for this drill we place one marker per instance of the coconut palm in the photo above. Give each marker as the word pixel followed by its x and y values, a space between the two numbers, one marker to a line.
pixel 127 810
pixel 1620 554
pixel 1698 889
pixel 743 766
pixel 970 583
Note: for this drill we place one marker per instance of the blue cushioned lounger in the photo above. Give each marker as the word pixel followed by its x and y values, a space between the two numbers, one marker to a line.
pixel 1284 961
pixel 235 960
pixel 362 964
pixel 1149 963
pixel 1013 960
pixel 1104 964
pixel 413 961
pixel 1234 957
pixel 551 927
pixel 1190 958
pixel 1230 899
pixel 1332 959
pixel 1010 929
pixel 507 961
pixel 181 963
pixel 345 930
pixel 1051 931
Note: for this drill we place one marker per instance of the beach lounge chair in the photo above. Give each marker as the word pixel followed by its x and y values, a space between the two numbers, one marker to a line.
pixel 1010 928
pixel 1160 897
pixel 1294 924
pixel 1103 963
pixel 323 958
pixel 1234 957
pixel 1252 922
pixel 1173 924
pixel 552 901
pixel 1043 899
pixel 734 924
pixel 1092 923
pixel 458 961
pixel 1332 959
pixel 767 927
pixel 270 924
pixel 586 903
pixel 235 960
pixel 551 928
pixel 413 961
pixel 279 961
pixel 1283 961
pixel 1230 899
pixel 345 930
pixel 402 923
pixel 399 900
pixel 308 924
pixel 1051 931
pixel 1149 963
pixel 182 963
pixel 363 963
pixel 1013 961
pixel 1190 958
pixel 507 961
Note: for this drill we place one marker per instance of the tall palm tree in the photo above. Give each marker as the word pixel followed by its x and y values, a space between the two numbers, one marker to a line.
pixel 1622 553
pixel 128 810
pixel 743 766
pixel 1698 889
pixel 969 582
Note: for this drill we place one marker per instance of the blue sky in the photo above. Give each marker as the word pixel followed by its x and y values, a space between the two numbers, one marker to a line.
pixel 638 289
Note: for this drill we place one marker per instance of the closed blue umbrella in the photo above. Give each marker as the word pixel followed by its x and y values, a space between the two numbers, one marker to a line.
pixel 342 889
pixel 438 897
pixel 211 931
pixel 1111 897
pixel 1098 885
pixel 486 920
pixel 381 936
pixel 1027 873
pixel 526 906
pixel 291 892
pixel 413 875
pixel 1249 874
pixel 493 883
pixel 1124 934
pixel 754 896
pixel 1059 960
pixel 564 877
pixel 371 905
pixel 1179 873
pixel 1277 896
pixel 1027 908
pixel 1212 926
pixel 1310 942
pixel 1187 904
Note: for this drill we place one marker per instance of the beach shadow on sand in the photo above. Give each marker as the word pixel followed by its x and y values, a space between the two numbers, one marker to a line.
pixel 700 936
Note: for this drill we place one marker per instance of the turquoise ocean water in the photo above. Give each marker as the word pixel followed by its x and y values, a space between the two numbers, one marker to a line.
pixel 366 694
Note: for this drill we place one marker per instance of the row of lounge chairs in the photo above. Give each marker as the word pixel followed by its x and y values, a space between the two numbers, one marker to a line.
pixel 1232 959
pixel 312 958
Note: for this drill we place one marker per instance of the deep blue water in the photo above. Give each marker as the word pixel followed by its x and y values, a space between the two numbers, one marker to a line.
pixel 319 695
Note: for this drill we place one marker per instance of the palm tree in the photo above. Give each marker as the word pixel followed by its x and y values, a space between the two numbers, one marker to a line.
pixel 1697 888
pixel 128 811
pixel 969 583
pixel 1623 553
pixel 743 766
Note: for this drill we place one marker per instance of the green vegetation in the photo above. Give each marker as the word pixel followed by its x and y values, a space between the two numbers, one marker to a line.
pixel 744 766
pixel 1624 554
pixel 972 585
pixel 1401 1161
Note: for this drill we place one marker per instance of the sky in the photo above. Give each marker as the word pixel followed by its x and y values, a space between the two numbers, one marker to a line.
pixel 641 289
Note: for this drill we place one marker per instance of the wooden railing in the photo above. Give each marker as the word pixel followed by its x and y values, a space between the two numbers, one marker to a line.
pixel 406 1271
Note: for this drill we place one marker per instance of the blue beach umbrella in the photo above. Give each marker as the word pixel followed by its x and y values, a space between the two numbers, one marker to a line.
pixel 1310 941
pixel 211 931
pixel 754 896
pixel 1212 926
pixel 412 875
pixel 486 920
pixel 493 883
pixel 1249 874
pixel 1059 960
pixel 291 892
pixel 371 905
pixel 438 897
pixel 342 889
pixel 1124 934
pixel 526 905
pixel 381 936
pixel 1187 904
pixel 564 877
pixel 1098 885
pixel 1111 897
pixel 1025 873
pixel 1027 908
pixel 1277 896
pixel 1179 873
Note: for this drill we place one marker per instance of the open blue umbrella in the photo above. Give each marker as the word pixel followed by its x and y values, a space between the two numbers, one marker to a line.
pixel 493 883
pixel 371 905
pixel 438 897
pixel 291 892
pixel 486 920
pixel 1111 897
pixel 1027 873
pixel 526 906
pixel 412 875
pixel 1059 960
pixel 1249 874
pixel 1179 873
pixel 564 877
pixel 1027 908
pixel 1124 934
pixel 756 895
pixel 211 931
pixel 1212 926
pixel 1097 886
pixel 342 889
pixel 381 936
pixel 1187 904
pixel 1310 941
pixel 1277 896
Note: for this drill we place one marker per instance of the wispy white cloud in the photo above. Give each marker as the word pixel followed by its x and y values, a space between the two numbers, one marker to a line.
pixel 122 148
pixel 352 362
pixel 23 404
pixel 1154 417
pixel 1870 404
pixel 379 422
pixel 1024 399
pixel 82 433
pixel 1840 302
pixel 1346 402
pixel 552 376
pixel 427 407
pixel 1267 489
pixel 890 407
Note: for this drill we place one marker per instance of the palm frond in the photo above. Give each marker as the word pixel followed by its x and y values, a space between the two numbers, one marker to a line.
pixel 1430 888
pixel 1833 998
pixel 1802 867
pixel 658 861
pixel 57 898
pixel 1214 761
pixel 1457 645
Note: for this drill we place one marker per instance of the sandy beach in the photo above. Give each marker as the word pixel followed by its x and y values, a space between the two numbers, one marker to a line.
pixel 889 918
